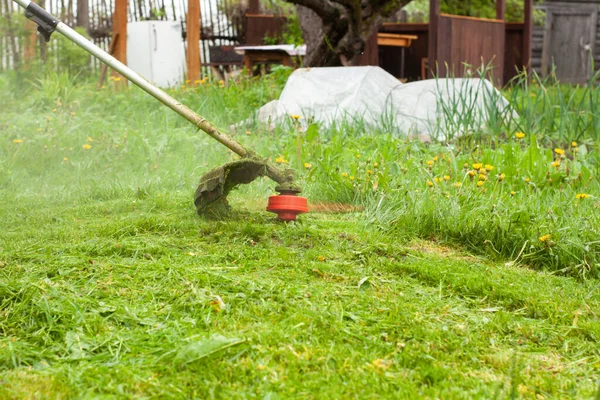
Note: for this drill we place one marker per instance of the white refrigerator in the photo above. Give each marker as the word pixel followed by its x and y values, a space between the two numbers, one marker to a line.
pixel 155 50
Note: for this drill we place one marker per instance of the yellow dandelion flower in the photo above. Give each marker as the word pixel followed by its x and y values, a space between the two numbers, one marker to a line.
pixel 435 158
pixel 457 184
pixel 429 162
pixel 480 183
pixel 65 159
pixel 89 139
pixel 482 171
pixel 117 79
pixel 446 177
pixel 221 82
pixel 582 196
pixel 482 177
pixel 344 174
pixel 296 117
pixel 573 144
pixel 369 172
pixel 351 178
pixel 321 258
pixel 429 183
pixel 375 165
pixel 501 177
pixel 519 135
pixel 87 146
pixel 280 160
pixel 489 167
pixel 54 110
pixel 307 165
pixel 187 81
pixel 477 165
pixel 438 180
pixel 248 133
pixel 472 173
pixel 513 193
pixel 558 151
pixel 358 156
pixel 556 164
pixel 527 180
pixel 466 165
pixel 197 82
pixel 544 238
pixel 17 141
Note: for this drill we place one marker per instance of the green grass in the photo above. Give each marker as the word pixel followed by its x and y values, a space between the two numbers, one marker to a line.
pixel 111 286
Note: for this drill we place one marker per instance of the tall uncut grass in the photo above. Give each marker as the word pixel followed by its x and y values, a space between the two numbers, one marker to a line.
pixel 524 189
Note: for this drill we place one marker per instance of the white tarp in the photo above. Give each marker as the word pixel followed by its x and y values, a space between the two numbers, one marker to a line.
pixel 430 108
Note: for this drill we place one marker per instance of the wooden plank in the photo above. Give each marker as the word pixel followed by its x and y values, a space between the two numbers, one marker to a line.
pixel 370 55
pixel 395 40
pixel 434 16
pixel 120 28
pixel 500 9
pixel 498 21
pixel 527 35
pixel 253 7
pixel 193 41
pixel 111 51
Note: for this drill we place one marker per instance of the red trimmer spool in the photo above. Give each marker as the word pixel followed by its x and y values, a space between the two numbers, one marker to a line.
pixel 287 206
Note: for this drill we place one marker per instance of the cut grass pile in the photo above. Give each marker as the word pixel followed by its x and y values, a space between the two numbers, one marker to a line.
pixel 110 285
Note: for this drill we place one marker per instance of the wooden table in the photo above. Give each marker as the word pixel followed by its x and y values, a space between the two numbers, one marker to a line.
pixel 396 40
pixel 275 54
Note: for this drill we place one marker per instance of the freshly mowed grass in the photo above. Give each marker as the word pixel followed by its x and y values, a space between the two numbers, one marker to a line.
pixel 110 298
pixel 111 286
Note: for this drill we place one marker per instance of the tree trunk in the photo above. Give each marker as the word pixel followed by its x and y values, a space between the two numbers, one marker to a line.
pixel 11 35
pixel 336 31
pixel 83 14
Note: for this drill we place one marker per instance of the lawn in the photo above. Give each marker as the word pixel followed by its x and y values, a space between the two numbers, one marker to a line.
pixel 467 269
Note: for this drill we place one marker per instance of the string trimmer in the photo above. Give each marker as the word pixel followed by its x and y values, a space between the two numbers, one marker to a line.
pixel 216 184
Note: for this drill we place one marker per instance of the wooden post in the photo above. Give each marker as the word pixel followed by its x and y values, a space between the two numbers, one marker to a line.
pixel 253 7
pixel 30 42
pixel 434 15
pixel 527 35
pixel 120 29
pixel 500 9
pixel 193 41
pixel 83 14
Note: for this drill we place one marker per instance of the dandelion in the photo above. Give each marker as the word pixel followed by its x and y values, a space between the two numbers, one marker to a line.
pixel 369 172
pixel 429 162
pixel 307 165
pixel 54 110
pixel 65 159
pixel 117 79
pixel 187 81
pixel 321 258
pixel 87 146
pixel 582 196
pixel 437 179
pixel 544 238
pixel 358 156
pixel 556 164
pixel 351 178
pixel 221 83
pixel 489 167
pixel 472 173
pixel 344 174
pixel 559 151
pixel 198 82
pixel 457 184
pixel 446 177
pixel 248 133
pixel 573 144
pixel 17 141
pixel 482 171
pixel 435 158
pixel 482 177
pixel 480 183
pixel 280 160
pixel 89 139
pixel 513 193
pixel 519 135
pixel 501 177
pixel 375 165
pixel 527 180
pixel 466 165
pixel 429 183
pixel 295 117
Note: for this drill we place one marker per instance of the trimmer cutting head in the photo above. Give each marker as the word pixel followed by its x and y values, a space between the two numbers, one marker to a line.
pixel 287 204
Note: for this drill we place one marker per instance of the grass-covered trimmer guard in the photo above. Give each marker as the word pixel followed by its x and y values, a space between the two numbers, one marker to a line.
pixel 216 184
